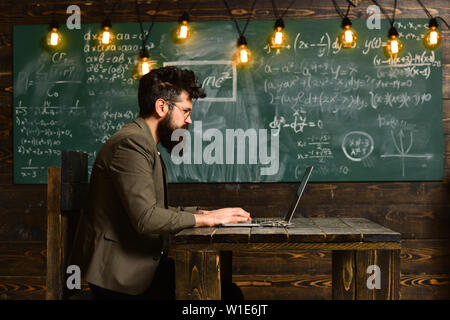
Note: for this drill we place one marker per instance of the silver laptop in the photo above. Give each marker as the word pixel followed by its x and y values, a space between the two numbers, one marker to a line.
pixel 277 222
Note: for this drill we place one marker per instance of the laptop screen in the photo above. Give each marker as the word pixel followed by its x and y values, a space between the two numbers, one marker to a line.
pixel 300 190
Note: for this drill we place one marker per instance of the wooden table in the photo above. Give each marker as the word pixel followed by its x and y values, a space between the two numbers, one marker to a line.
pixel 203 256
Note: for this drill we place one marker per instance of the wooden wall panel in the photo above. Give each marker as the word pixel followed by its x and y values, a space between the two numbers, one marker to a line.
pixel 432 256
pixel 420 211
pixel 318 287
pixel 29 224
pixel 22 288
pixel 28 258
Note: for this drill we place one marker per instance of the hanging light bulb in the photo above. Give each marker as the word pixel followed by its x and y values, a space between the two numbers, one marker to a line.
pixel 183 31
pixel 105 35
pixel 394 46
pixel 278 36
pixel 433 37
pixel 144 65
pixel 348 36
pixel 53 36
pixel 243 54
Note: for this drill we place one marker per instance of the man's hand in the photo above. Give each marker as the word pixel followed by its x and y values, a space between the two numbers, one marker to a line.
pixel 221 216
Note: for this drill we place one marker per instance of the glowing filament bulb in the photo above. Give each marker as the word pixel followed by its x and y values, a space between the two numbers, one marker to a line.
pixel 348 36
pixel 54 37
pixel 243 55
pixel 183 31
pixel 145 66
pixel 106 36
pixel 394 46
pixel 278 38
pixel 433 37
pixel 243 52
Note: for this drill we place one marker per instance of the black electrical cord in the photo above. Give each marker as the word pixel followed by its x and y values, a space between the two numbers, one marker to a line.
pixel 430 15
pixel 425 9
pixel 275 10
pixel 186 11
pixel 241 34
pixel 338 10
pixel 144 38
pixel 352 3
pixel 384 12
pixel 445 22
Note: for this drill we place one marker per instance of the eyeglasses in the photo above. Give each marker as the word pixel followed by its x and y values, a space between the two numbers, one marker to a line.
pixel 187 112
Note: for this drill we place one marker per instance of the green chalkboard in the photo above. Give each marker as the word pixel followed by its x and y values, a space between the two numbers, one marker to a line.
pixel 351 113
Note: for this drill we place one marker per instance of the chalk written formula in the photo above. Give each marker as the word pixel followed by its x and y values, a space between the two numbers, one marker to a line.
pixel 353 114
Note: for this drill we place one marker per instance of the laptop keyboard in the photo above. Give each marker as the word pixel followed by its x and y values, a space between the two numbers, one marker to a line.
pixel 270 222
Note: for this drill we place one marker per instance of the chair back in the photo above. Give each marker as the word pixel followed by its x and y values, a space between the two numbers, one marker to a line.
pixel 66 193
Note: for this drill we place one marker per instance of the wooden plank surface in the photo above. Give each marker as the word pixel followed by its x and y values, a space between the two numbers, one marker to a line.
pixel 263 246
pixel 231 235
pixel 268 235
pixel 304 230
pixel 371 231
pixel 195 235
pixel 336 230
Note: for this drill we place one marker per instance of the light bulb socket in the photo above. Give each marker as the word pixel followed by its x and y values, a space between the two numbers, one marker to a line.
pixel 107 23
pixel 184 17
pixel 279 23
pixel 144 53
pixel 241 41
pixel 346 22
pixel 53 25
pixel 433 23
pixel 393 32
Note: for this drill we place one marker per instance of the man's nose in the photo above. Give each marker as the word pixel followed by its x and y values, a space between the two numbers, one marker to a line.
pixel 188 120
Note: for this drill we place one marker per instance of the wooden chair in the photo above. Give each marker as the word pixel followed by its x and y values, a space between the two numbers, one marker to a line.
pixel 66 192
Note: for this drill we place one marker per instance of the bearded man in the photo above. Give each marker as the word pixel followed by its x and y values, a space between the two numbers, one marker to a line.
pixel 122 236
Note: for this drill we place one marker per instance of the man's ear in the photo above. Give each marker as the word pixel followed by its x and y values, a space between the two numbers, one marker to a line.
pixel 161 108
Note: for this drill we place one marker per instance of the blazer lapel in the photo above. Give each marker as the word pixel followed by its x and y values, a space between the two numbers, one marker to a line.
pixel 141 122
pixel 165 181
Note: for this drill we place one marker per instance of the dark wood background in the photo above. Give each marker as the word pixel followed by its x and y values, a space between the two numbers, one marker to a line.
pixel 418 210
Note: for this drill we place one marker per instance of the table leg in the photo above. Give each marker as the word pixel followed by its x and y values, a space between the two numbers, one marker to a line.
pixel 378 274
pixel 343 275
pixel 366 274
pixel 197 275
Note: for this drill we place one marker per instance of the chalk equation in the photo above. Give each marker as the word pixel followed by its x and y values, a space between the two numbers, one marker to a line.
pixel 357 145
pixel 403 143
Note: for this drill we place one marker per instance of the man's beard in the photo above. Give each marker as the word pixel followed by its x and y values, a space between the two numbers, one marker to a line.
pixel 165 130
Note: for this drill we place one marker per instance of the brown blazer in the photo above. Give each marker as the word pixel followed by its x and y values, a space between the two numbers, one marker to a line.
pixel 122 231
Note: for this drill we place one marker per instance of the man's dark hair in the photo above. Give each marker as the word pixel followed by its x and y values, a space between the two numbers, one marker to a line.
pixel 166 83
